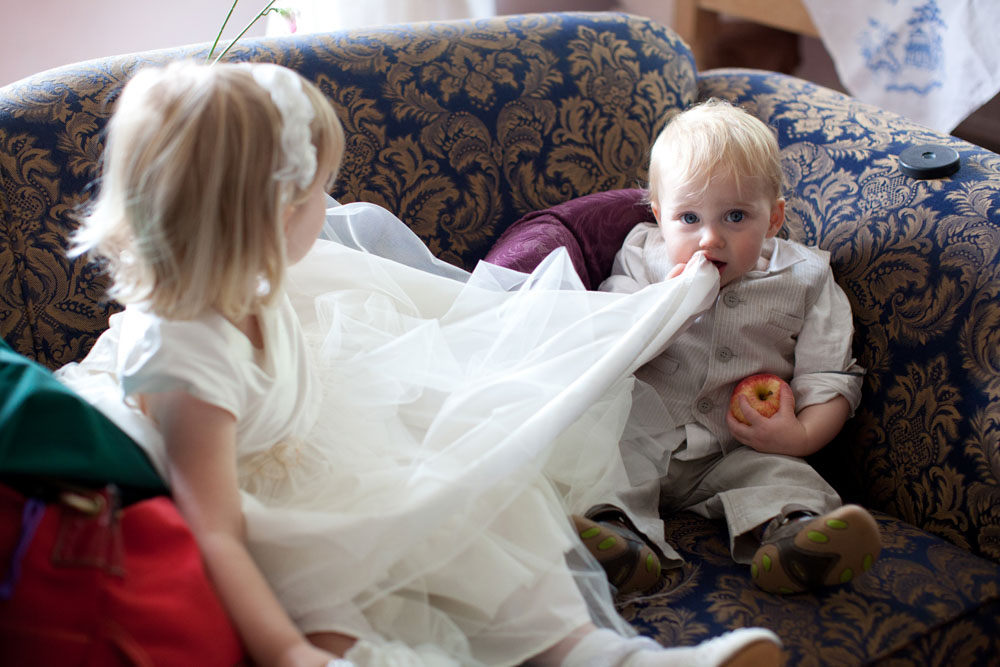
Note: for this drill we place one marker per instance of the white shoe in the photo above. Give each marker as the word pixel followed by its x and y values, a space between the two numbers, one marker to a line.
pixel 746 647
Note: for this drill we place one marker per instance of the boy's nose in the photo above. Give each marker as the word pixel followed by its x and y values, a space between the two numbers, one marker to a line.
pixel 711 238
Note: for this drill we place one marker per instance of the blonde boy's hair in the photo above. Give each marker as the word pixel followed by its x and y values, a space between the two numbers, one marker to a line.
pixel 189 216
pixel 716 137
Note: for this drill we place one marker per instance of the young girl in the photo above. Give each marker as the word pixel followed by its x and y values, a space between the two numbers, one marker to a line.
pixel 367 454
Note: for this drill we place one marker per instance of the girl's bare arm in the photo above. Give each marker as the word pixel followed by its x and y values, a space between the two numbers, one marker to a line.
pixel 201 442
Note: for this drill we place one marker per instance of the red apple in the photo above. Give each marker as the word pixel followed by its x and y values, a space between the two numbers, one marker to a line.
pixel 763 393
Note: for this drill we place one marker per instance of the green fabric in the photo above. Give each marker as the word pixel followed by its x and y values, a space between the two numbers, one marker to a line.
pixel 47 430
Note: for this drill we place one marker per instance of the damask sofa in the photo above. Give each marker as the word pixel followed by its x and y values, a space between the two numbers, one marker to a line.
pixel 482 135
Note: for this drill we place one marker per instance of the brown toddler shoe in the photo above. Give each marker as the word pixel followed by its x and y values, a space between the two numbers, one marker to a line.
pixel 800 551
pixel 629 562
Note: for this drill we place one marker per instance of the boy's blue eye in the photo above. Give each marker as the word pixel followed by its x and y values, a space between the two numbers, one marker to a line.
pixel 689 218
pixel 735 216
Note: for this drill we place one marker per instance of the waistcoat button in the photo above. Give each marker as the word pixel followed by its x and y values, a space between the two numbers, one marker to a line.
pixel 731 299
pixel 705 405
pixel 724 354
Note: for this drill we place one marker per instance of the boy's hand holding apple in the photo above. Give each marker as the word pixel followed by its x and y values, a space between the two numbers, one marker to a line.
pixel 762 415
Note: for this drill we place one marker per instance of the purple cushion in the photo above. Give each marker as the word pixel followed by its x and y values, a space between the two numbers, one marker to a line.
pixel 591 228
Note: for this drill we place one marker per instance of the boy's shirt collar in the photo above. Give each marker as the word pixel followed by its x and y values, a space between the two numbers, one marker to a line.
pixel 782 254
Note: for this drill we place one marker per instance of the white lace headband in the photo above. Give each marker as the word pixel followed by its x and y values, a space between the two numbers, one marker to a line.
pixel 298 164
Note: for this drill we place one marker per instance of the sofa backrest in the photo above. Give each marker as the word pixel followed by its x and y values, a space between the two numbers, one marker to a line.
pixel 457 127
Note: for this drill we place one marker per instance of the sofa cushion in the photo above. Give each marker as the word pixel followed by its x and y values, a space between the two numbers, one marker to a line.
pixel 925 602
pixel 591 228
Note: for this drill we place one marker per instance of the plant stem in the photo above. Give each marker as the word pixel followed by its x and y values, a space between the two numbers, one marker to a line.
pixel 264 11
pixel 219 36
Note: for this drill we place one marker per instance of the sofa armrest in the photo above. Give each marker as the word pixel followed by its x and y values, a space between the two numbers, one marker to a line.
pixel 920 262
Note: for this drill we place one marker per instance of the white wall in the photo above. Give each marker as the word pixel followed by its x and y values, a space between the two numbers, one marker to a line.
pixel 659 10
pixel 36 35
pixel 329 15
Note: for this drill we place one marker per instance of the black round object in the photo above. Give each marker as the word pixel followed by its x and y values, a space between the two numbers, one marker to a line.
pixel 929 161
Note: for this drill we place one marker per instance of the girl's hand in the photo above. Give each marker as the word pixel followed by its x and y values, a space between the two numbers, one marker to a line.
pixel 304 654
pixel 781 433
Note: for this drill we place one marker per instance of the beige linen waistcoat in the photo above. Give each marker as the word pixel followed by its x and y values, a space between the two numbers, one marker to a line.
pixel 790 319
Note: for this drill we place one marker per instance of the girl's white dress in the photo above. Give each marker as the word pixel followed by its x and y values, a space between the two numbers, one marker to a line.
pixel 411 439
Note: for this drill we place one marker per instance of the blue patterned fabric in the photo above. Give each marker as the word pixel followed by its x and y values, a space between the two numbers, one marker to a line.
pixel 463 128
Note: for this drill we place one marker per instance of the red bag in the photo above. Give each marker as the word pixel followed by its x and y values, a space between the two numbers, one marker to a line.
pixel 85 582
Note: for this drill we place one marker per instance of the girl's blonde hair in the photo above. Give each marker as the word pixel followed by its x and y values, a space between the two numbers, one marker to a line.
pixel 716 137
pixel 189 216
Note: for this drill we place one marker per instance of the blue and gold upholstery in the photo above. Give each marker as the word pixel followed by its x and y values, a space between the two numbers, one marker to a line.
pixel 462 128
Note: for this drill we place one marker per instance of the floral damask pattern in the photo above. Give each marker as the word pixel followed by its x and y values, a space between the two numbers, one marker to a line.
pixel 471 135
pixel 919 262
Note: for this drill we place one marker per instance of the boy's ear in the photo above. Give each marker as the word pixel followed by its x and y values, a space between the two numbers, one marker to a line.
pixel 777 217
pixel 656 211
